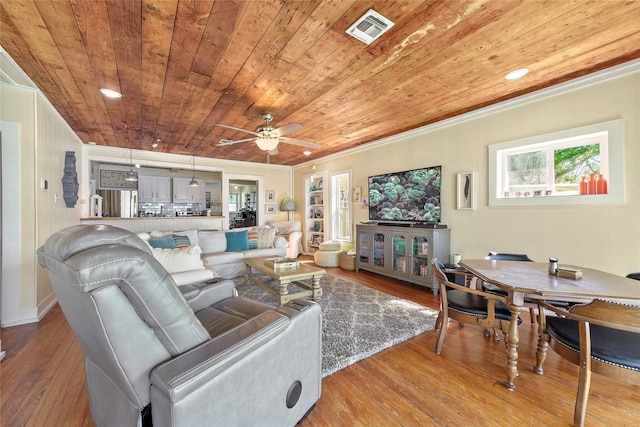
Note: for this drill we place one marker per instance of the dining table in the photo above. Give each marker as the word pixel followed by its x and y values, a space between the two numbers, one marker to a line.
pixel 532 280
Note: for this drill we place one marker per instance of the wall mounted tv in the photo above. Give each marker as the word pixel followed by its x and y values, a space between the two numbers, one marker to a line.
pixel 412 195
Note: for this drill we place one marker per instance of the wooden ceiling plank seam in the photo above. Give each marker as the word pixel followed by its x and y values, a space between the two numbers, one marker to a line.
pixel 34 32
pixel 73 49
pixel 157 32
pixel 216 36
pixel 184 126
pixel 320 21
pixel 125 20
pixel 188 30
pixel 20 52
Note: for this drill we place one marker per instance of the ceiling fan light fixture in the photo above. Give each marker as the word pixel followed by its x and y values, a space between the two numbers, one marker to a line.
pixel 267 144
pixel 516 74
pixel 110 93
pixel 306 153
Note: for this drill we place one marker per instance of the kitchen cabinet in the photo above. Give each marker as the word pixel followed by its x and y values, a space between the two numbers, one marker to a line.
pixel 184 193
pixel 154 189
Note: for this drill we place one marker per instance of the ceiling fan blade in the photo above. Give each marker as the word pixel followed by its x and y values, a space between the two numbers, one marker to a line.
pixel 291 127
pixel 224 142
pixel 274 151
pixel 234 128
pixel 300 142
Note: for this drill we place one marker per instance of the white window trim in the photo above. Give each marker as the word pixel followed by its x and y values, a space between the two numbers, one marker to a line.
pixel 616 193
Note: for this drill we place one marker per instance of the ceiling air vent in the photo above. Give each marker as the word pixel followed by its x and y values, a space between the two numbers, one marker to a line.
pixel 369 27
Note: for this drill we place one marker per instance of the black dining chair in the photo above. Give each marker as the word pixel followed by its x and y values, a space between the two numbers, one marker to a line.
pixel 601 337
pixel 498 256
pixel 468 305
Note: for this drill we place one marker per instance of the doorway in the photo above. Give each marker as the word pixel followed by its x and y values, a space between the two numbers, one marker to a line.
pixel 243 203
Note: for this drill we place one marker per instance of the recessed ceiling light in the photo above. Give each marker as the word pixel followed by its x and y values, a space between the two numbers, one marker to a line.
pixel 516 74
pixel 306 153
pixel 110 93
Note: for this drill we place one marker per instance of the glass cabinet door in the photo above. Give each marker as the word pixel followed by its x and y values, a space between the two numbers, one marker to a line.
pixel 378 249
pixel 364 247
pixel 420 252
pixel 400 255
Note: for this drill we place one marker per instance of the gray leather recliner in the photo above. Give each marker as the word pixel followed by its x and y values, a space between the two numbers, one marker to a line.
pixel 197 355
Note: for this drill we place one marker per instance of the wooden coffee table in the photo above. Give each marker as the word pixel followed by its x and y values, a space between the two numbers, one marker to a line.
pixel 284 277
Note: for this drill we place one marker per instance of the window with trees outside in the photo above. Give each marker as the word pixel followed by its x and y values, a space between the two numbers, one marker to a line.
pixel 577 166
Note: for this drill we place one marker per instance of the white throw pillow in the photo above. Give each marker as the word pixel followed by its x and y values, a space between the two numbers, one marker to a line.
pixel 180 259
pixel 265 237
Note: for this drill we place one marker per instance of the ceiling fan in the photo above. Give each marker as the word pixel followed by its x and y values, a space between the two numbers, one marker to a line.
pixel 267 137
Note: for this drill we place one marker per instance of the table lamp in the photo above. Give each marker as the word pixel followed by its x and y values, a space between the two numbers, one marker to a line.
pixel 288 205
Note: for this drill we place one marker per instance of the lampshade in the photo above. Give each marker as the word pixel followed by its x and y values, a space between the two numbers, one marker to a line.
pixel 193 182
pixel 267 144
pixel 288 205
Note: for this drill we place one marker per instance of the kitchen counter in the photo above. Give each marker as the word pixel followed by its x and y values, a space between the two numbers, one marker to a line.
pixel 160 223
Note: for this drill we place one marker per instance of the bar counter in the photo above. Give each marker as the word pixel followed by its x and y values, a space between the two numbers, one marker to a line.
pixel 162 223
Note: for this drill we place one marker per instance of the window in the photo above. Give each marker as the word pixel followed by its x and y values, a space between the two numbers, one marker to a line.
pixel 559 168
pixel 233 202
pixel 341 215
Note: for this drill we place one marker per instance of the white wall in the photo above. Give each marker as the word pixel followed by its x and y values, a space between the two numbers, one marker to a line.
pixel 601 237
pixel 43 141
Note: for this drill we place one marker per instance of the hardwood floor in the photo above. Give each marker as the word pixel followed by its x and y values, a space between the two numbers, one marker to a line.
pixel 43 382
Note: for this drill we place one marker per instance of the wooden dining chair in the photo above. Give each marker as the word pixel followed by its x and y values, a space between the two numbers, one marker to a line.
pixel 468 305
pixel 601 337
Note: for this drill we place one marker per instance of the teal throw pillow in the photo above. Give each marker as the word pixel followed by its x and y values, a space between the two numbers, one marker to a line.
pixel 165 242
pixel 237 241
pixel 181 241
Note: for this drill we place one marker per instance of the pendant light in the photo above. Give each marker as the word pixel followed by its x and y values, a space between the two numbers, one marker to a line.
pixel 131 175
pixel 194 182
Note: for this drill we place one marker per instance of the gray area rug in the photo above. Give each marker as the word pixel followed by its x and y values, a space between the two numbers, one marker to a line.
pixel 357 321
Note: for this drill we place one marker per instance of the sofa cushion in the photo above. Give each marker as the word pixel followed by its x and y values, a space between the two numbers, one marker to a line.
pixel 219 258
pixel 179 259
pixel 166 242
pixel 212 241
pixel 266 237
pixel 237 241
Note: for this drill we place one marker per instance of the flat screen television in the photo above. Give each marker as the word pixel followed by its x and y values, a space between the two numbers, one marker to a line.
pixel 412 195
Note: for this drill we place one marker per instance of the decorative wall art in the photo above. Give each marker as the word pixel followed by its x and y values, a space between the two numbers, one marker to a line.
pixel 466 191
pixel 270 209
pixel 110 180
pixel 70 183
pixel 357 194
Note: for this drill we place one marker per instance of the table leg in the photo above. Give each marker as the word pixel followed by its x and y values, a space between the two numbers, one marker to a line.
pixel 512 347
pixel 247 273
pixel 284 290
pixel 316 291
pixel 543 343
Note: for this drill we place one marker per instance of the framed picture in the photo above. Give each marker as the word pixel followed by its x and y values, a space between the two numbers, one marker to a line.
pixel 466 191
pixel 270 209
pixel 116 180
pixel 357 192
pixel 270 196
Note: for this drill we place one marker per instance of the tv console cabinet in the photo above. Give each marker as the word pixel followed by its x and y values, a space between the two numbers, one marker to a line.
pixel 401 252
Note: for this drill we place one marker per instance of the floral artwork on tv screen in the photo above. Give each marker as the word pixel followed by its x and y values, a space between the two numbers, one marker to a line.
pixel 412 195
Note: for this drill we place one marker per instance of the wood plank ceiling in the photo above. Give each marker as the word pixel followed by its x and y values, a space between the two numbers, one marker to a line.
pixel 183 66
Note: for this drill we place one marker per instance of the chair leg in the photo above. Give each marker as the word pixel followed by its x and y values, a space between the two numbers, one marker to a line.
pixel 441 334
pixel 532 315
pixel 439 321
pixel 584 383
